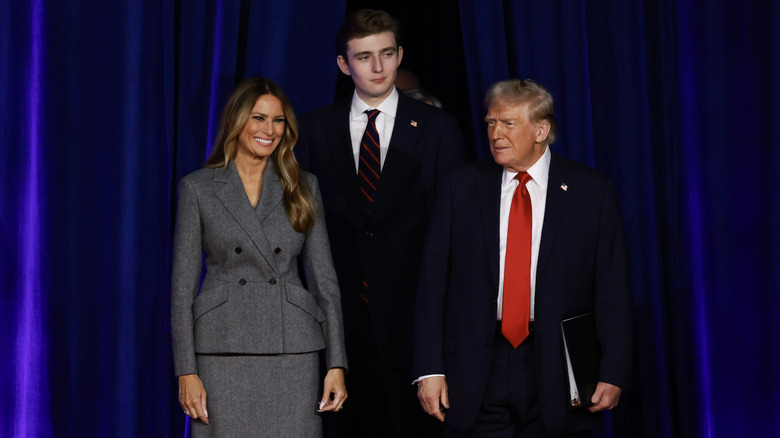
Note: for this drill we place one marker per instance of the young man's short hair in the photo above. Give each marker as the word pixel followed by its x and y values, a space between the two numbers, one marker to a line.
pixel 363 23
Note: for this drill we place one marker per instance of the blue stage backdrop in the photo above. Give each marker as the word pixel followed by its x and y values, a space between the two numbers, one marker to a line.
pixel 105 105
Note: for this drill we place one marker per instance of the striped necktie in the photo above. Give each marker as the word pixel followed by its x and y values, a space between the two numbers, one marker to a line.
pixel 370 164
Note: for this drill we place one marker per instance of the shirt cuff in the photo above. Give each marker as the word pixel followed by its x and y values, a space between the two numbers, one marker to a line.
pixel 419 379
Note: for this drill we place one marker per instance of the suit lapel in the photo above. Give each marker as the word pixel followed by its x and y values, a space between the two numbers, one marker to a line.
pixel 233 197
pixel 339 140
pixel 489 190
pixel 342 158
pixel 402 142
pixel 557 201
pixel 271 193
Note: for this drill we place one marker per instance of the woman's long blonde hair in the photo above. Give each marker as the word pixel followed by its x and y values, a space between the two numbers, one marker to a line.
pixel 298 198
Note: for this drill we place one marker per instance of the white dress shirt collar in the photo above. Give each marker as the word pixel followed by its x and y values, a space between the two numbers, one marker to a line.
pixel 388 107
pixel 540 171
pixel 385 122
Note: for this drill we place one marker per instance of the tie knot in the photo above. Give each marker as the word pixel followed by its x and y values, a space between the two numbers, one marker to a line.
pixel 523 177
pixel 372 113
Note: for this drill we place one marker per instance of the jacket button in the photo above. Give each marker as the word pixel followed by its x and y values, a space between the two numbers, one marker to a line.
pixel 272 281
pixel 238 250
pixel 277 250
pixel 242 282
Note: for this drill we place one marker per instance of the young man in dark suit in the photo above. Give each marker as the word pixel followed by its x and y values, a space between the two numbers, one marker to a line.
pixel 517 244
pixel 378 173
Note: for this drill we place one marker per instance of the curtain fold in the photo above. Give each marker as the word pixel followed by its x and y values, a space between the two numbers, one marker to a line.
pixel 484 45
pixel 24 387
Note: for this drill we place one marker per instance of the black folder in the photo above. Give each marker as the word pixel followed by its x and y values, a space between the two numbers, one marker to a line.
pixel 581 345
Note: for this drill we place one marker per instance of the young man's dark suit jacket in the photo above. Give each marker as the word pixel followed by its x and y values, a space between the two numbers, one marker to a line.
pixel 382 249
pixel 582 268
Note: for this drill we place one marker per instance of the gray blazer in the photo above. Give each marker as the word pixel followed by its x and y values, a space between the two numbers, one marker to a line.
pixel 251 300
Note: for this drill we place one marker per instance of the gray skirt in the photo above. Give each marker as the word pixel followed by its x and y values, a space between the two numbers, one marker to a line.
pixel 260 395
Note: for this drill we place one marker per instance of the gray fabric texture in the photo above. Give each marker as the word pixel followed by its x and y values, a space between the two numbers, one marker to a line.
pixel 258 396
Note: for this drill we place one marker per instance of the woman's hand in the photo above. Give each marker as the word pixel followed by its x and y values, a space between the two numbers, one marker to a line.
pixel 334 392
pixel 192 397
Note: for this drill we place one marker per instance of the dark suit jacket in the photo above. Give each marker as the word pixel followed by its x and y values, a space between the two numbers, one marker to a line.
pixel 582 267
pixel 383 249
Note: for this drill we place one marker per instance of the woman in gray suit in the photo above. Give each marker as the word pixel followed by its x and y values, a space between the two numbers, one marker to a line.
pixel 250 338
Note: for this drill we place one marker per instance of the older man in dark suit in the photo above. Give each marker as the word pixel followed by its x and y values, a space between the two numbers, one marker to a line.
pixel 378 156
pixel 516 245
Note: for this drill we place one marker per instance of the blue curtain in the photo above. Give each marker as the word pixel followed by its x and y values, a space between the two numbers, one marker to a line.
pixel 105 105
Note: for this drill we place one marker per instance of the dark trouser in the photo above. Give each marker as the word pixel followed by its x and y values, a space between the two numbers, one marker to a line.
pixel 381 402
pixel 510 408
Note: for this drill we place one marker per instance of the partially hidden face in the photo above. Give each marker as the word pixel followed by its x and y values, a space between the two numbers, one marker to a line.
pixel 372 62
pixel 263 129
pixel 515 141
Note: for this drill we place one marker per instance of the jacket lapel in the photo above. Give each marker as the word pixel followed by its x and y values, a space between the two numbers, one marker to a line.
pixel 233 197
pixel 342 160
pixel 557 201
pixel 271 193
pixel 403 140
pixel 489 190
pixel 339 140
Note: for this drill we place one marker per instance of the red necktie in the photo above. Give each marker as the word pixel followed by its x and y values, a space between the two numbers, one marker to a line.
pixel 516 308
pixel 370 164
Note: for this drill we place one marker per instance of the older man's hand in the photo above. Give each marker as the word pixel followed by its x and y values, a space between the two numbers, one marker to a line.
pixel 605 397
pixel 432 392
